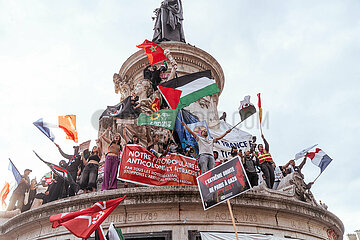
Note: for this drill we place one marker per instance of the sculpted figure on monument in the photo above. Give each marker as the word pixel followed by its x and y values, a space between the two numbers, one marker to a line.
pixel 168 23
pixel 121 86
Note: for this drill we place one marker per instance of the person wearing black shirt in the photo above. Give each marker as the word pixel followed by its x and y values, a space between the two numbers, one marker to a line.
pixel 250 161
pixel 155 75
pixel 73 167
pixel 147 73
pixel 90 172
pixel 31 197
pixel 134 140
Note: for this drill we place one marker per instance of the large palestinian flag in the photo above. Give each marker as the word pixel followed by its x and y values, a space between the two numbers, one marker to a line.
pixel 182 91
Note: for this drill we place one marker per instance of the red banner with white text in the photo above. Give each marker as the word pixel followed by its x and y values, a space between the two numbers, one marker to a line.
pixel 140 166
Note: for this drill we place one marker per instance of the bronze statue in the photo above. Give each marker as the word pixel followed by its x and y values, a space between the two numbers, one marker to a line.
pixel 168 24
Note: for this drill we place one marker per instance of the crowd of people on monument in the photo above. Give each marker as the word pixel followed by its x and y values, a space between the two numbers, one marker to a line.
pixel 83 167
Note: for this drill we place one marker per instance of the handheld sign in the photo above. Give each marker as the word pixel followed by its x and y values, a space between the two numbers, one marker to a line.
pixel 222 183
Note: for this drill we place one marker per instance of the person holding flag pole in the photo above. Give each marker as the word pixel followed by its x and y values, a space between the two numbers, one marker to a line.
pixel 206 152
pixel 266 163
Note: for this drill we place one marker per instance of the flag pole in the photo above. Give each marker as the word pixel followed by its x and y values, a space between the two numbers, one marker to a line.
pixel 232 219
pixel 317 177
pixel 236 125
pixel 260 128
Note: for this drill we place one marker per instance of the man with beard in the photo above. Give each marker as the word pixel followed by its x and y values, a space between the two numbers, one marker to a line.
pixel 206 158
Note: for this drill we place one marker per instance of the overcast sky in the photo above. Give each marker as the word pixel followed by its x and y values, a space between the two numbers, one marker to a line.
pixel 58 58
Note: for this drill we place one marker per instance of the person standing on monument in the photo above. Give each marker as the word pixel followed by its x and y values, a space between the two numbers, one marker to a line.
pixel 265 162
pixel 250 161
pixel 111 161
pixel 73 167
pixel 206 148
pixel 90 172
pixel 155 75
pixel 18 196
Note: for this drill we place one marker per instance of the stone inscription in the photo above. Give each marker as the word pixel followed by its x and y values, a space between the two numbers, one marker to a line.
pixel 133 217
pixel 221 216
pixel 137 217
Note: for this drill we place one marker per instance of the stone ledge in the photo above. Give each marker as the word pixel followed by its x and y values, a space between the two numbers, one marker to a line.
pixel 254 209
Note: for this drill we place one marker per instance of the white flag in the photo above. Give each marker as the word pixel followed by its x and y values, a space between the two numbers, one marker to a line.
pixel 303 152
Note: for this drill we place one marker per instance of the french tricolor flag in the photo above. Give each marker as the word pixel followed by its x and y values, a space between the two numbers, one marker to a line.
pixel 44 127
pixel 319 158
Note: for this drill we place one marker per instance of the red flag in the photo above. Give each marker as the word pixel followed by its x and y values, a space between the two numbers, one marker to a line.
pixel 84 222
pixel 4 193
pixel 259 100
pixel 172 96
pixel 155 105
pixel 68 124
pixel 153 51
pixel 260 109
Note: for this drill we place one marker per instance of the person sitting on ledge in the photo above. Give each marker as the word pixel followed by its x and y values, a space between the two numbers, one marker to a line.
pixel 206 158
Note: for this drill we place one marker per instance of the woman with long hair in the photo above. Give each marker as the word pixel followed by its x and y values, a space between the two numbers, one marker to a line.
pixel 90 172
pixel 111 162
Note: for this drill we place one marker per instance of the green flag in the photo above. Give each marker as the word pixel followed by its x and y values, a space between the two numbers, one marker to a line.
pixel 114 233
pixel 164 118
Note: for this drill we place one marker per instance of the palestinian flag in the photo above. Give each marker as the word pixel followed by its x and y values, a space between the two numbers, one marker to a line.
pixel 48 177
pixel 59 171
pixel 182 91
pixel 114 233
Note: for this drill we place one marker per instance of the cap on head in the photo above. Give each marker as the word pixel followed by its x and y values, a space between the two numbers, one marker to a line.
pixel 28 170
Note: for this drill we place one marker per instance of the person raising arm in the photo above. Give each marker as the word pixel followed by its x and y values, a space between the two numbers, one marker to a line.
pixel 206 158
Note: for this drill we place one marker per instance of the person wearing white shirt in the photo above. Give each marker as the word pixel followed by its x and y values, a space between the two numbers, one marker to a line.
pixel 206 148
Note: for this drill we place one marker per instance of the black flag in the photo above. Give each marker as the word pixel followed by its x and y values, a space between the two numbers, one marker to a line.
pixel 246 108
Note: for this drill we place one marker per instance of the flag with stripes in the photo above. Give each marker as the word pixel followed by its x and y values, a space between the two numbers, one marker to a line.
pixel 15 171
pixel 319 158
pixel 182 91
pixel 59 171
pixel 44 128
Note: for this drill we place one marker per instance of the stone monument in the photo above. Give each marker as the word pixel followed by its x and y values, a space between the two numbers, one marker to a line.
pixel 176 212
